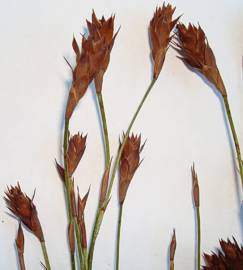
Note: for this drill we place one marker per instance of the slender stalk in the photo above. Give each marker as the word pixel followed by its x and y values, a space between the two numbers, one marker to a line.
pixel 198 238
pixel 85 258
pixel 100 211
pixel 45 255
pixel 118 237
pixel 21 261
pixel 73 267
pixel 236 142
pixel 99 214
pixel 78 239
pixel 105 129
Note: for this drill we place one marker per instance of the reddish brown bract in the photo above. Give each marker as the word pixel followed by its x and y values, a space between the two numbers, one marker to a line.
pixel 231 257
pixel 104 184
pixel 76 148
pixel 23 208
pixel 195 51
pixel 81 220
pixel 20 240
pixel 129 163
pixel 71 238
pixel 60 171
pixel 160 35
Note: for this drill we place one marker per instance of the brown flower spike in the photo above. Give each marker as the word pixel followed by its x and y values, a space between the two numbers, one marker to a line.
pixel 130 160
pixel 172 250
pixel 192 44
pixel 231 257
pixel 76 148
pixel 173 246
pixel 23 208
pixel 195 187
pixel 102 31
pixel 160 29
pixel 92 60
pixel 82 74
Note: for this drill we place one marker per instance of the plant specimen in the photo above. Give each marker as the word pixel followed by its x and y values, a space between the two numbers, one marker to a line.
pixel 92 61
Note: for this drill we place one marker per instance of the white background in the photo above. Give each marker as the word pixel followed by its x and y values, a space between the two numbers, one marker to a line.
pixel 183 121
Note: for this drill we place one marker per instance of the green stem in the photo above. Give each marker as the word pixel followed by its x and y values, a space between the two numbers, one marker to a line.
pixel 85 258
pixel 73 267
pixel 99 214
pixel 118 237
pixel 236 142
pixel 100 211
pixel 198 238
pixel 45 255
pixel 78 239
pixel 98 221
pixel 105 129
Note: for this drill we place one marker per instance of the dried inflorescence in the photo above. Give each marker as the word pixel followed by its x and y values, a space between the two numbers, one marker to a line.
pixel 192 44
pixel 76 148
pixel 93 59
pixel 75 151
pixel 195 187
pixel 102 32
pixel 82 74
pixel 130 160
pixel 160 29
pixel 24 209
pixel 231 257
